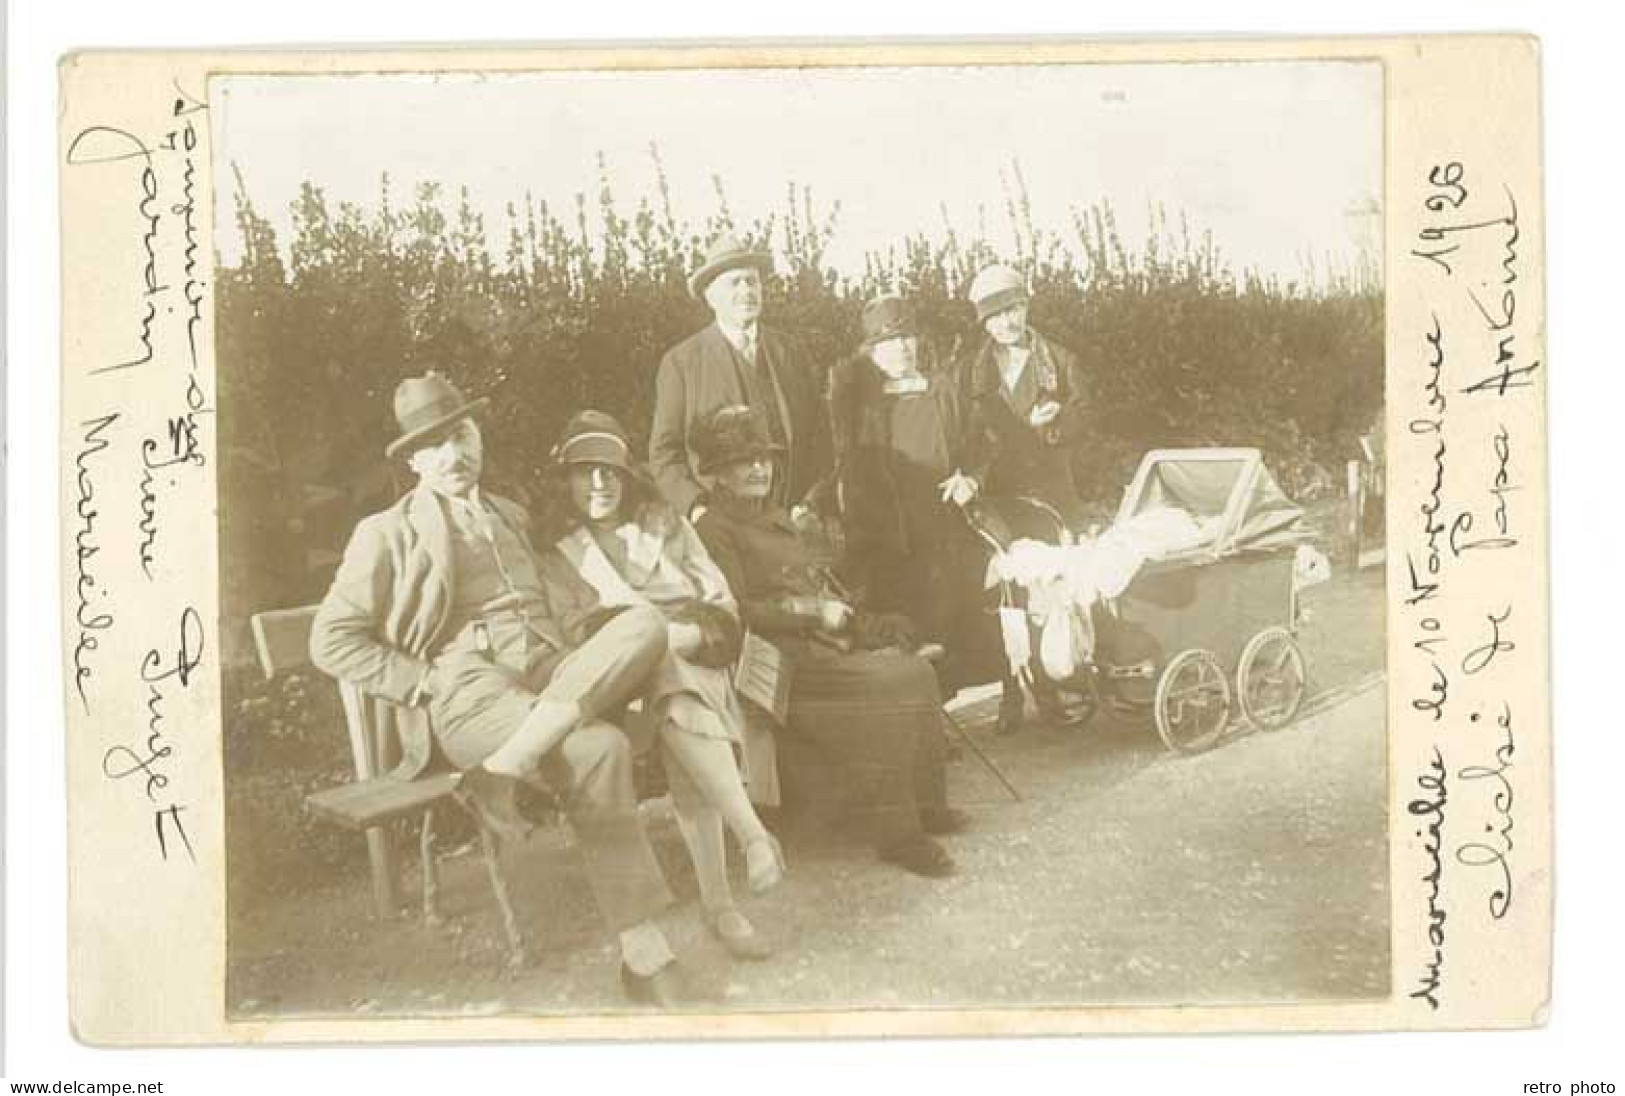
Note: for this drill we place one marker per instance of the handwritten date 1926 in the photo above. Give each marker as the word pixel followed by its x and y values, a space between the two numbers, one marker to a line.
pixel 1451 226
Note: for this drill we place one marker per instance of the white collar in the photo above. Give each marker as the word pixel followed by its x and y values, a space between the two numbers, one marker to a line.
pixel 471 508
pixel 911 384
pixel 1012 363
pixel 736 335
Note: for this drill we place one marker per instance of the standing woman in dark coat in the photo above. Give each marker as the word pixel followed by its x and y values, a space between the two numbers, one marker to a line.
pixel 1026 404
pixel 876 713
pixel 899 438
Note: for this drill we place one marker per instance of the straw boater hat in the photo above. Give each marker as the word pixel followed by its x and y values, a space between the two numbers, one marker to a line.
pixel 888 318
pixel 996 289
pixel 727 253
pixel 593 437
pixel 729 435
pixel 426 405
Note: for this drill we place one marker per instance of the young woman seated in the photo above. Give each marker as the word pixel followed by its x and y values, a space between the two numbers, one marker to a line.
pixel 634 550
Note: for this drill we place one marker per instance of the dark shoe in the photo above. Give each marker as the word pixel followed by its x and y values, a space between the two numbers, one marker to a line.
pixel 738 935
pixel 920 855
pixel 666 988
pixel 492 799
pixel 944 820
pixel 1012 711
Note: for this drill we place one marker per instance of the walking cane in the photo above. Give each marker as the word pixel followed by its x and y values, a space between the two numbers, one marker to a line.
pixel 987 762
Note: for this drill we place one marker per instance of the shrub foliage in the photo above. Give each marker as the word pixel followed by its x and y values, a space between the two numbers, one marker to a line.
pixel 562 309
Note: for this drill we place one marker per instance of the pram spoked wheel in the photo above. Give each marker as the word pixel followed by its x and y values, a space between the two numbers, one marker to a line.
pixel 1192 704
pixel 1270 679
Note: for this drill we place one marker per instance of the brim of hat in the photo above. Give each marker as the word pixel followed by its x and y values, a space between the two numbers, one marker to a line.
pixel 1002 301
pixel 702 277
pixel 406 441
pixel 871 341
pixel 613 456
pixel 773 448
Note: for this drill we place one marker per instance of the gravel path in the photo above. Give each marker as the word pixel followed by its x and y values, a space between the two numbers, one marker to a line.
pixel 1254 872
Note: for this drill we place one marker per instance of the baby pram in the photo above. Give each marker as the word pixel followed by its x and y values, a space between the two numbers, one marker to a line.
pixel 1187 605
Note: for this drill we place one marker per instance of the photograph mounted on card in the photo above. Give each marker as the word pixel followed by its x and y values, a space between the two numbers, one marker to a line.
pixel 539 566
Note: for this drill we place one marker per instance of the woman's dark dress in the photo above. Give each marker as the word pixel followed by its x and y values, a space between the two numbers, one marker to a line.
pixel 907 550
pixel 875 714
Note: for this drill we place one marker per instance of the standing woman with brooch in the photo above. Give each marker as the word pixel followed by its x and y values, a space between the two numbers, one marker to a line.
pixel 898 431
pixel 1026 400
pixel 634 549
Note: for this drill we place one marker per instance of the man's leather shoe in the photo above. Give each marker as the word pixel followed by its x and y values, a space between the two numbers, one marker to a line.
pixel 492 799
pixel 920 855
pixel 666 988
pixel 944 820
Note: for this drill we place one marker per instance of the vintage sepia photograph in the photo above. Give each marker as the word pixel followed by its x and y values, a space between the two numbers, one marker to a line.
pixel 802 539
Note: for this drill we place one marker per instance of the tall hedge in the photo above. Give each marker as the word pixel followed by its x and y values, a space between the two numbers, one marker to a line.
pixel 572 308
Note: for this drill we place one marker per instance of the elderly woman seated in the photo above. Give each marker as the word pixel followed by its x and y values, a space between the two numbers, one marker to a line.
pixel 857 694
pixel 634 550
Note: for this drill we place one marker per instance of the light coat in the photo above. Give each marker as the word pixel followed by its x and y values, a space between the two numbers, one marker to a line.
pixel 384 618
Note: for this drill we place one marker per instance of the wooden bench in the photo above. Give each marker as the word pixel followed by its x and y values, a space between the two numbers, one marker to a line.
pixel 282 637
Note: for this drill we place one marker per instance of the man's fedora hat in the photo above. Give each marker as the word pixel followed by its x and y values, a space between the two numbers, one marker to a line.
pixel 727 253
pixel 593 437
pixel 729 435
pixel 426 405
pixel 888 318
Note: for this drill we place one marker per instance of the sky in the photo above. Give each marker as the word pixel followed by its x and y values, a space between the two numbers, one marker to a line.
pixel 1270 156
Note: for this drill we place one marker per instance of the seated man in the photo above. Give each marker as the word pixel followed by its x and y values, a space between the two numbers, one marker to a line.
pixel 442 606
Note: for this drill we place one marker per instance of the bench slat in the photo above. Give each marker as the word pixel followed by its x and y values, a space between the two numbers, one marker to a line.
pixel 367 803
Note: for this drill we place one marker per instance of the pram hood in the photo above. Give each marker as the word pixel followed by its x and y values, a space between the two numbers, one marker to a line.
pixel 1228 492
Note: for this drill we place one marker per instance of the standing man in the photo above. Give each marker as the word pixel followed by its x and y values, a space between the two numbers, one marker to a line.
pixel 736 360
pixel 1026 402
pixel 504 662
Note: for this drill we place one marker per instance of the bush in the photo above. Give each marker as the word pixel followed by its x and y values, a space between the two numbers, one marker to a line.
pixel 577 309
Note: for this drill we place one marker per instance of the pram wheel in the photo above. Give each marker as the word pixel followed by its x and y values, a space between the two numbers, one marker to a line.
pixel 1193 701
pixel 1270 679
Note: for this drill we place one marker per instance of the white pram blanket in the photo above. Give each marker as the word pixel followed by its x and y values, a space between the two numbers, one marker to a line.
pixel 1063 581
pixel 1103 566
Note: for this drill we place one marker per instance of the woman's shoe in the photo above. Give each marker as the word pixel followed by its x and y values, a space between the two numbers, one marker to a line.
pixel 764 864
pixel 943 820
pixel 738 935
pixel 667 988
pixel 1012 710
pixel 920 855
